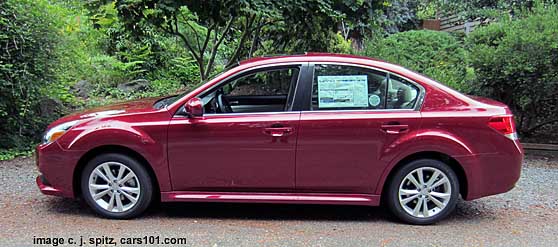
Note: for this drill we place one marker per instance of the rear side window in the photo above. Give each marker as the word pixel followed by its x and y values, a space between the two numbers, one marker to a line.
pixel 338 87
pixel 401 93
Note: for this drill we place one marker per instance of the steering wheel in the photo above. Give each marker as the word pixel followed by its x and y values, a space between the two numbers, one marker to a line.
pixel 223 104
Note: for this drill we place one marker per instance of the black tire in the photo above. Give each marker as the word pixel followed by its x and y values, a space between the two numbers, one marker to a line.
pixel 392 193
pixel 145 185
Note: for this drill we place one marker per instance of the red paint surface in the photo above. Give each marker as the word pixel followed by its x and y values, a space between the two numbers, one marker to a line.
pixel 326 157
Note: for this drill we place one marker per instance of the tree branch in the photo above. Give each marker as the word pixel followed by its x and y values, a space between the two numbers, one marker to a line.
pixel 245 33
pixel 198 57
pixel 207 38
pixel 216 44
pixel 256 37
pixel 193 30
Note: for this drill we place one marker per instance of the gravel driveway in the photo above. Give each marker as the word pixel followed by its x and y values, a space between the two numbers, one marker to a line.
pixel 525 216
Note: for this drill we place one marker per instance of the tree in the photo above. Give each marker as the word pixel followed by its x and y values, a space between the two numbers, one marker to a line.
pixel 439 55
pixel 516 62
pixel 28 38
pixel 471 9
pixel 202 26
pixel 228 30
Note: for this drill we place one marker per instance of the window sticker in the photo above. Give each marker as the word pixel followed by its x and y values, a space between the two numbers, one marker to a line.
pixel 342 91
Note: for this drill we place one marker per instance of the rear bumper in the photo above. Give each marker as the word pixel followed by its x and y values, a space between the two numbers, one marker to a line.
pixel 491 174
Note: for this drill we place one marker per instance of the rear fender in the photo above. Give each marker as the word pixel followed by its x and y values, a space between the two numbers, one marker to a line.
pixel 430 141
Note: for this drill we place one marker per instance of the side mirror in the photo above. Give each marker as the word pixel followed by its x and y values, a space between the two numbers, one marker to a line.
pixel 194 107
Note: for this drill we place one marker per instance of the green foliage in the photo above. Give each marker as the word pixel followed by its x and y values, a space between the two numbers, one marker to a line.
pixel 516 62
pixel 8 154
pixel 221 32
pixel 472 9
pixel 338 44
pixel 438 55
pixel 28 38
pixel 47 46
pixel 126 55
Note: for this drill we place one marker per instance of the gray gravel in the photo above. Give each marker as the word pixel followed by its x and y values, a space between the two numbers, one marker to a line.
pixel 525 216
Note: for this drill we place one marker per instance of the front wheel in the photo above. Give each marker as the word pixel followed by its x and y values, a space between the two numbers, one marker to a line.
pixel 423 192
pixel 116 186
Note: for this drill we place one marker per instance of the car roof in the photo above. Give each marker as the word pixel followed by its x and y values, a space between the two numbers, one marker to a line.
pixel 306 57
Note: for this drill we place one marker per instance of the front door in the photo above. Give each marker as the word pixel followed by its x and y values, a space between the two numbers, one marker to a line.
pixel 246 139
pixel 357 118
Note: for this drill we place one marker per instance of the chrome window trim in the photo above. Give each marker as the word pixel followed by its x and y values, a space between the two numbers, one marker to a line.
pixel 365 111
pixel 299 112
pixel 241 114
pixel 420 97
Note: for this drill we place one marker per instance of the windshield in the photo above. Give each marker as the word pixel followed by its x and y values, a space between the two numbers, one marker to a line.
pixel 173 98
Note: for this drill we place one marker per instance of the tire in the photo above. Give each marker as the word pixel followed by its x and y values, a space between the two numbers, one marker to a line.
pixel 134 188
pixel 404 196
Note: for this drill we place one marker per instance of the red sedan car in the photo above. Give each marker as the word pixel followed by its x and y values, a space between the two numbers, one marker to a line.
pixel 313 128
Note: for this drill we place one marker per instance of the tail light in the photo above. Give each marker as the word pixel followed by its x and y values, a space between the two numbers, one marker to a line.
pixel 504 125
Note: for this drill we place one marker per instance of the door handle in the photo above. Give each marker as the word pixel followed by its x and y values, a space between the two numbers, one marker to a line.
pixel 278 131
pixel 395 128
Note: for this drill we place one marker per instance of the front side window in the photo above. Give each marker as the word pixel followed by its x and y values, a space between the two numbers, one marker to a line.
pixel 339 87
pixel 261 91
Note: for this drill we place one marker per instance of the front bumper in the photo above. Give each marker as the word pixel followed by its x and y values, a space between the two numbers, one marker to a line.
pixel 46 188
pixel 56 166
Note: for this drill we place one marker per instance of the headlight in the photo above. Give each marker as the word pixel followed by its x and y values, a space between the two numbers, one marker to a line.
pixel 57 131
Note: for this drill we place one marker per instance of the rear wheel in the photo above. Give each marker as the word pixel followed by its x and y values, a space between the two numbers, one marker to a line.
pixel 423 192
pixel 116 186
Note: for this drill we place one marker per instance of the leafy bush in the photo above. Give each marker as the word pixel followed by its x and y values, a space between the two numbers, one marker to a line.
pixel 8 154
pixel 438 55
pixel 338 44
pixel 28 37
pixel 516 62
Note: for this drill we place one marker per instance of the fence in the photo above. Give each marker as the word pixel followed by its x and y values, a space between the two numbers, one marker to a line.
pixel 453 23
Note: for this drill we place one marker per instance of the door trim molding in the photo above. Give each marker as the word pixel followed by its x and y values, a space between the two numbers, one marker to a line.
pixel 287 198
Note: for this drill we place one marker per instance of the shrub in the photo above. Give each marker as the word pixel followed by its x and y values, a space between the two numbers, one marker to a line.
pixel 438 55
pixel 338 44
pixel 516 62
pixel 28 37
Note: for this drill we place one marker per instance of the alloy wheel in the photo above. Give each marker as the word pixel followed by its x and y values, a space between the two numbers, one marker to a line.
pixel 424 192
pixel 114 187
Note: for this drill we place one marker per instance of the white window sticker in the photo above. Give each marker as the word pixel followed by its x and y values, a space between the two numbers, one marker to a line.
pixel 342 91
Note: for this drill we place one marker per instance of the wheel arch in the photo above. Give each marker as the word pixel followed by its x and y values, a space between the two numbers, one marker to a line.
pixel 112 149
pixel 447 159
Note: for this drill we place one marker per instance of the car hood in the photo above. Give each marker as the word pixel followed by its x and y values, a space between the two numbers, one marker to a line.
pixel 135 106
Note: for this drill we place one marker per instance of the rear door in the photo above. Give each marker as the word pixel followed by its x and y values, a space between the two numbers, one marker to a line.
pixel 354 121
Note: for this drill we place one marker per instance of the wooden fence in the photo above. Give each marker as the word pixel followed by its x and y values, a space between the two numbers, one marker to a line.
pixel 453 23
pixel 538 146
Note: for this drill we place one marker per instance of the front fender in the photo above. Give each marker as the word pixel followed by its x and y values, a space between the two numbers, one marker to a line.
pixel 109 133
pixel 146 139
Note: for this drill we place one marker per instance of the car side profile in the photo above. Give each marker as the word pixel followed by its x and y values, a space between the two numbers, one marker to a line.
pixel 312 129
